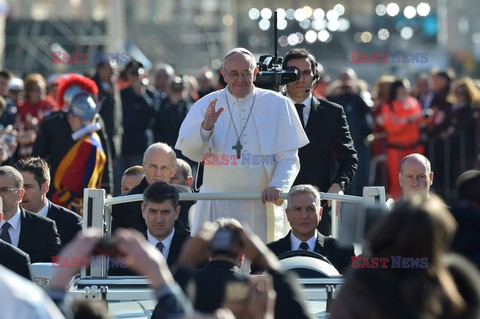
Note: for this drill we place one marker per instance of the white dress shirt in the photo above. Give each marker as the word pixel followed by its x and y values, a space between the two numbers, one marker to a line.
pixel 312 241
pixel 306 108
pixel 44 211
pixel 167 242
pixel 14 230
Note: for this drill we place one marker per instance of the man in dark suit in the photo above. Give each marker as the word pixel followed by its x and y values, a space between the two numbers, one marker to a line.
pixel 12 257
pixel 303 213
pixel 15 259
pixel 327 129
pixel 35 235
pixel 159 164
pixel 160 209
pixel 36 182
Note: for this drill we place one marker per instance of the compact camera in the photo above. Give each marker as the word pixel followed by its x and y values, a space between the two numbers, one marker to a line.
pixel 106 246
pixel 226 241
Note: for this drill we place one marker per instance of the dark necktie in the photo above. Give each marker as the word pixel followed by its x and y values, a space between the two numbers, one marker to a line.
pixel 4 235
pixel 160 246
pixel 303 246
pixel 299 108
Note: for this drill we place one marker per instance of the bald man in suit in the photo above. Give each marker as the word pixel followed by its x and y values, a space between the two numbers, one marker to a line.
pixel 13 258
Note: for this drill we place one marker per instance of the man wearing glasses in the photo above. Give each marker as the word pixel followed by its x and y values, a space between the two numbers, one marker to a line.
pixel 36 235
pixel 251 147
pixel 13 258
pixel 159 165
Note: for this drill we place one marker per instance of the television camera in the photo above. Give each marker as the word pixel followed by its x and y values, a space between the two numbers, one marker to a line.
pixel 270 72
pixel 271 75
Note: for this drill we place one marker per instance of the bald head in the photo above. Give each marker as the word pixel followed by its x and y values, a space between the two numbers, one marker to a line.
pixel 162 75
pixel 416 157
pixel 183 175
pixel 415 175
pixel 159 163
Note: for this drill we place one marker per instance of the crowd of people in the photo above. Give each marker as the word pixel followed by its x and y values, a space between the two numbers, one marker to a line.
pixel 436 116
pixel 128 136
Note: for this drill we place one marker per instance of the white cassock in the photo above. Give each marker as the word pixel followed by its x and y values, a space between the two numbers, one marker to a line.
pixel 271 139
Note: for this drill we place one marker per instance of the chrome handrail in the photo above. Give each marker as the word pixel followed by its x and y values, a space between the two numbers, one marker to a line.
pixel 232 196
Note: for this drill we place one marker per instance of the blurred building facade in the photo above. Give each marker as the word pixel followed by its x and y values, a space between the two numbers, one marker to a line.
pixel 190 34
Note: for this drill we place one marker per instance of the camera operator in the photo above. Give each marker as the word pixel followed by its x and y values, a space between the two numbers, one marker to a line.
pixel 220 281
pixel 327 129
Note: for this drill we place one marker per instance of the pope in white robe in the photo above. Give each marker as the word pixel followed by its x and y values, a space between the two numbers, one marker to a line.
pixel 260 125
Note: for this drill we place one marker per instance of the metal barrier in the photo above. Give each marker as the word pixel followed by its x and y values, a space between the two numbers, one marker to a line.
pixel 450 157
pixel 97 211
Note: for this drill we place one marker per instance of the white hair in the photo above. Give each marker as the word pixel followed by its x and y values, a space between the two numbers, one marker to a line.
pixel 303 189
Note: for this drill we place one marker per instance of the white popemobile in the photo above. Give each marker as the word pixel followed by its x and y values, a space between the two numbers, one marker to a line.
pixel 131 296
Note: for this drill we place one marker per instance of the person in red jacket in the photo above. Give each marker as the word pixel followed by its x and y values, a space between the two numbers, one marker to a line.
pixel 31 112
pixel 401 117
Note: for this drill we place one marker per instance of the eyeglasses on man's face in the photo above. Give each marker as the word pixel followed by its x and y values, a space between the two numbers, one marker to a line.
pixel 155 167
pixel 235 75
pixel 7 189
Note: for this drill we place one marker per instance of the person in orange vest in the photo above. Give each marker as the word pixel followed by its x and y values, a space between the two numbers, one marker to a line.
pixel 401 116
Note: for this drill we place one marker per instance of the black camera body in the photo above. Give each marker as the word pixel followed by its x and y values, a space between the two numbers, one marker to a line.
pixel 226 241
pixel 106 246
pixel 177 84
pixel 271 75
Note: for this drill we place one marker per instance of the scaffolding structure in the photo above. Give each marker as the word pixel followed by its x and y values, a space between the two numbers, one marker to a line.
pixel 187 34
